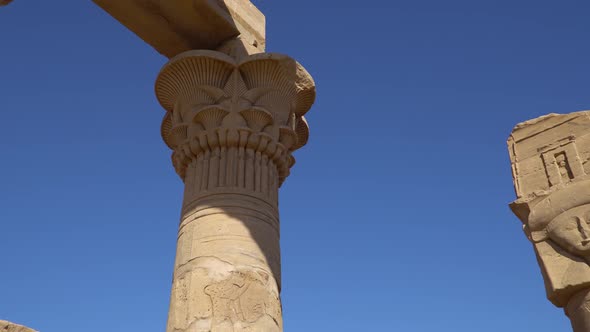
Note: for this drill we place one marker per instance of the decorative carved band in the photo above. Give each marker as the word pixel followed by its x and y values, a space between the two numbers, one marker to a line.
pixel 252 165
pixel 235 123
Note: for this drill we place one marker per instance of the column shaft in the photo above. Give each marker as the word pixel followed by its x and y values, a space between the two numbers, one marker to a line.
pixel 227 269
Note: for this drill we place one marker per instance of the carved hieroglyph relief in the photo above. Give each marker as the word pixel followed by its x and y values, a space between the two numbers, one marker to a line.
pixel 232 126
pixel 217 295
pixel 243 299
pixel 549 157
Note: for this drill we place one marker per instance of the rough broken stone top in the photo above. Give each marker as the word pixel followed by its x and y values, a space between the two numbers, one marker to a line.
pixel 11 327
pixel 176 26
pixel 549 153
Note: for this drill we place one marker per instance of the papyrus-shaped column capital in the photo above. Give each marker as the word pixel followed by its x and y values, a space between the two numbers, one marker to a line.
pixel 213 101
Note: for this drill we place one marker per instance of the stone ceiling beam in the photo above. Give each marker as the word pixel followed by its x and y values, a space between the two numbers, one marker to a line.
pixel 176 26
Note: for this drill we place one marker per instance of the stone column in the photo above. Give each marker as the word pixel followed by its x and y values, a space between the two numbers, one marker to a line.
pixel 232 126
pixel 549 157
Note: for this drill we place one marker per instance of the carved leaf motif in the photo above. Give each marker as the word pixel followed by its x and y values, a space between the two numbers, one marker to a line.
pixel 235 86
pixel 217 98
pixel 257 118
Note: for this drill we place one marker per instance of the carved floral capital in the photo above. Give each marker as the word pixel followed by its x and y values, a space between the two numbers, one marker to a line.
pixel 215 102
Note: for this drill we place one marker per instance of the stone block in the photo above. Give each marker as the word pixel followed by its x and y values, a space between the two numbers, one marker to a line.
pixel 176 26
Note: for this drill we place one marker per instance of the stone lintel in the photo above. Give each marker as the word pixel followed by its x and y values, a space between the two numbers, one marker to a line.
pixel 176 26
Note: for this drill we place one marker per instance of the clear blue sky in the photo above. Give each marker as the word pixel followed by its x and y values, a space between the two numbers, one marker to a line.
pixel 395 217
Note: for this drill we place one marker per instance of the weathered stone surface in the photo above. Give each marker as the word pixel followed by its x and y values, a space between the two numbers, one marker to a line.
pixel 578 310
pixel 232 126
pixel 176 26
pixel 11 327
pixel 550 167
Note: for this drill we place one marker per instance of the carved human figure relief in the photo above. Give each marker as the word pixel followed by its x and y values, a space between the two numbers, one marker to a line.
pixel 564 168
pixel 562 162
pixel 571 231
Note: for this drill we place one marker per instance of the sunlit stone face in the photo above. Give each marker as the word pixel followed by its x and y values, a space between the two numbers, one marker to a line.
pixel 571 230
